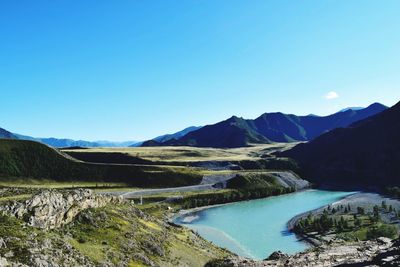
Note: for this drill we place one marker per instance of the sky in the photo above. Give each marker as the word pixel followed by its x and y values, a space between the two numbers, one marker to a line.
pixel 132 70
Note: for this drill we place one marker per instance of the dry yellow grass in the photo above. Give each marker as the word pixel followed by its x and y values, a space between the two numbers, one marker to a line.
pixel 189 154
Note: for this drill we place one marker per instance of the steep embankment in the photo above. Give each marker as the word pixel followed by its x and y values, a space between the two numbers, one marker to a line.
pixel 28 159
pixel 269 127
pixel 367 153
pixel 93 230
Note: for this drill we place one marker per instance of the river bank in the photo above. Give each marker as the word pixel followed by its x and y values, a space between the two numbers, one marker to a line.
pixel 252 225
pixel 360 199
pixel 360 216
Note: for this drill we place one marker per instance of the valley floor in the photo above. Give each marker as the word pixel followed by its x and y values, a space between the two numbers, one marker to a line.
pixel 83 229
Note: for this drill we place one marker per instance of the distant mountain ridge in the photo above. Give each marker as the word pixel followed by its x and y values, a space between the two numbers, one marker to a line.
pixel 63 142
pixel 6 134
pixel 367 153
pixel 269 127
pixel 168 137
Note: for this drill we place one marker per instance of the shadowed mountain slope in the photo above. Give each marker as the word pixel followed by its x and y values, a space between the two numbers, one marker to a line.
pixel 6 134
pixel 269 127
pixel 167 137
pixel 367 153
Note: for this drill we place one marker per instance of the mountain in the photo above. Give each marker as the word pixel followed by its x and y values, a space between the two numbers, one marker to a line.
pixel 367 153
pixel 55 142
pixel 177 135
pixel 6 134
pixel 269 127
pixel 167 137
pixel 351 108
pixel 63 142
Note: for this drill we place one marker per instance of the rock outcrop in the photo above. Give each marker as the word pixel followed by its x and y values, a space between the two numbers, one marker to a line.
pixel 290 180
pixel 51 209
pixel 380 252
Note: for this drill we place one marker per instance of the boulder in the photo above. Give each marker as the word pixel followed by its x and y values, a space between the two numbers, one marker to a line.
pixel 277 255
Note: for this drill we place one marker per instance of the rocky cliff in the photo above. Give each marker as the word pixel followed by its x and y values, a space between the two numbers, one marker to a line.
pixel 71 228
pixel 51 209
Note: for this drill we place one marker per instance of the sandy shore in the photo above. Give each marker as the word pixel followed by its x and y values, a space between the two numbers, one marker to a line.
pixel 181 213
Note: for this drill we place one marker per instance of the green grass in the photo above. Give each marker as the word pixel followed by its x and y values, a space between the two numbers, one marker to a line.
pixel 92 251
pixel 367 229
pixel 115 225
pixel 45 183
pixel 26 159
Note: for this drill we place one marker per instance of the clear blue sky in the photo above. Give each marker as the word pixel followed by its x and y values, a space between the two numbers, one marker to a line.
pixel 122 70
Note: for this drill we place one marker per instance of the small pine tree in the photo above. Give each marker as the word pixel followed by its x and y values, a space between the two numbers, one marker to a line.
pixel 384 206
pixel 357 222
pixel 360 210
pixel 376 216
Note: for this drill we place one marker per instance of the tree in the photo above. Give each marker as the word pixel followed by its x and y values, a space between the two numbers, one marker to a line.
pixel 357 222
pixel 376 216
pixel 360 210
pixel 384 230
pixel 384 206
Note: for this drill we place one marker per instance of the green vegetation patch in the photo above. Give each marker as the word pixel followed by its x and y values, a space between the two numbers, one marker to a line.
pixel 348 225
pixel 32 160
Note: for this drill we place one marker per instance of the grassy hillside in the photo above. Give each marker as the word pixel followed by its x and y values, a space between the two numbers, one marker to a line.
pixel 246 158
pixel 115 235
pixel 30 159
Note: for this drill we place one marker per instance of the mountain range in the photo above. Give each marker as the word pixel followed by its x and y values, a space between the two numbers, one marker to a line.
pixel 268 128
pixel 167 137
pixel 366 153
pixel 63 142
pixel 233 132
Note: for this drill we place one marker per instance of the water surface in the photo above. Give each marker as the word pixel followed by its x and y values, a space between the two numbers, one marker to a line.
pixel 256 228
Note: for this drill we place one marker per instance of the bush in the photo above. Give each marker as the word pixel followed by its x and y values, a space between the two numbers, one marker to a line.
pixel 384 230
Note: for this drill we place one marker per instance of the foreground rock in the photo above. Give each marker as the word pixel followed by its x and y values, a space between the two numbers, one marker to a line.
pixel 51 209
pixel 93 230
pixel 380 252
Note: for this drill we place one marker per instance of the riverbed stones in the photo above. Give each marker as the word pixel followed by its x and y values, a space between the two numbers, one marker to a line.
pixel 380 252
pixel 277 255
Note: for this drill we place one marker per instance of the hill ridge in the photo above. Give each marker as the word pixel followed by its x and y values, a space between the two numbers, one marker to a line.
pixel 267 128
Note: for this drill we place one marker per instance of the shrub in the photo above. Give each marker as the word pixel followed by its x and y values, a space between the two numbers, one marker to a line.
pixel 384 230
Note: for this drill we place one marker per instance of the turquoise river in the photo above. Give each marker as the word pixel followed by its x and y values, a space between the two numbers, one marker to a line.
pixel 256 228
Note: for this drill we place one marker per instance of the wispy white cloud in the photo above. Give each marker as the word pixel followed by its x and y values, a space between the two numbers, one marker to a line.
pixel 331 95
